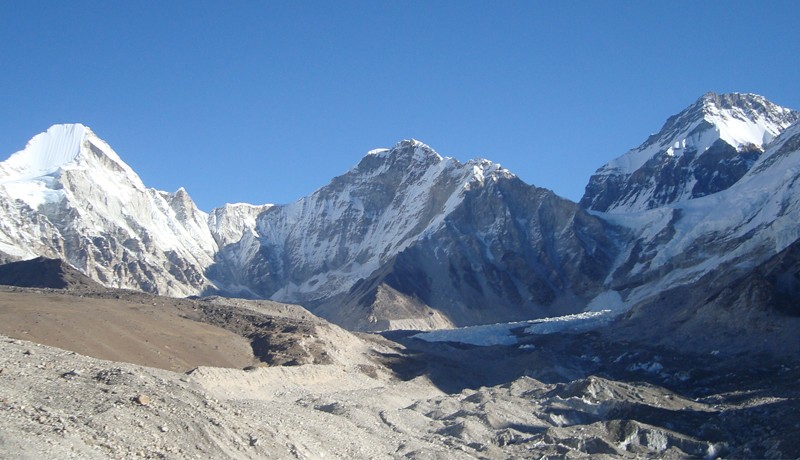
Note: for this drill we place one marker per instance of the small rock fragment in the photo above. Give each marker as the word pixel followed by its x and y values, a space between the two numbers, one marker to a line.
pixel 142 400
pixel 70 375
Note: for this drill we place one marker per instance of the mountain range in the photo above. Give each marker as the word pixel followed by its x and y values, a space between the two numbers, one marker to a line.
pixel 408 239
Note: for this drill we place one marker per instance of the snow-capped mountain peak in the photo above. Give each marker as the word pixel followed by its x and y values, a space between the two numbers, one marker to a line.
pixel 63 145
pixel 738 119
pixel 484 169
pixel 746 119
pixel 58 155
pixel 68 195
pixel 346 230
pixel 409 152
pixel 703 149
pixel 405 147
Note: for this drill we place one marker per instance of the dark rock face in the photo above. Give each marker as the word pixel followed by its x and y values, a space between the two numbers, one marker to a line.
pixel 712 171
pixel 42 272
pixel 774 286
pixel 512 251
pixel 718 168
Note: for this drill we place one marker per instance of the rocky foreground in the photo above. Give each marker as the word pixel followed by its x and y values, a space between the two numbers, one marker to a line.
pixel 317 391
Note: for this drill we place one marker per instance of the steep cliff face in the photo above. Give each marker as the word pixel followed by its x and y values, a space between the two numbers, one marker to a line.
pixel 703 150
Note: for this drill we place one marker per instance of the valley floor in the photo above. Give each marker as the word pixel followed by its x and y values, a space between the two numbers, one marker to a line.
pixel 331 394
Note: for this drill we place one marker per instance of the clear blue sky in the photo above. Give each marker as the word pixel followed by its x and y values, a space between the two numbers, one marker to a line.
pixel 266 101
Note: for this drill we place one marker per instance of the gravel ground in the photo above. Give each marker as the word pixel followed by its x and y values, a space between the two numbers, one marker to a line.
pixel 317 391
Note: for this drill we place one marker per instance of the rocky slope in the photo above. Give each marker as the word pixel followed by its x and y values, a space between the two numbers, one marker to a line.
pixel 750 309
pixel 509 251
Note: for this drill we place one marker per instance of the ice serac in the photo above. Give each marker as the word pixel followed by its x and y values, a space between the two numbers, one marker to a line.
pixel 68 195
pixel 704 149
pixel 410 238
